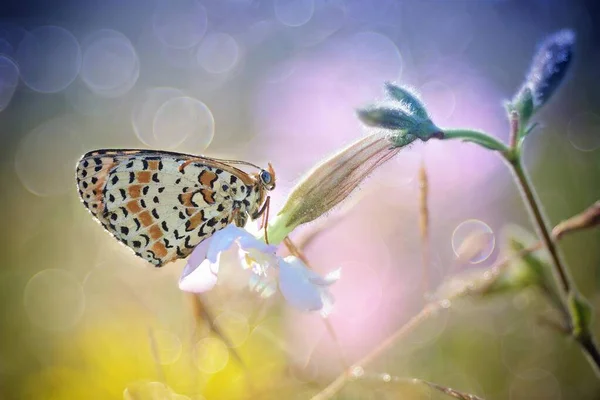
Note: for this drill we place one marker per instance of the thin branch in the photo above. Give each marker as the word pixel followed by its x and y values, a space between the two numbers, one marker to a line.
pixel 202 313
pixel 589 218
pixel 429 310
pixel 154 349
pixel 424 227
pixel 340 381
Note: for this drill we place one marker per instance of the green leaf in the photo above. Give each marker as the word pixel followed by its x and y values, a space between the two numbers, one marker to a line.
pixel 581 313
pixel 523 105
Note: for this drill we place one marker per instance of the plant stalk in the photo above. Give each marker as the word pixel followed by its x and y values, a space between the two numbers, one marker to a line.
pixel 585 338
pixel 540 224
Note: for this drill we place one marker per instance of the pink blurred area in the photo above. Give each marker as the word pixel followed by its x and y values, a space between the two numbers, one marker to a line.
pixel 305 111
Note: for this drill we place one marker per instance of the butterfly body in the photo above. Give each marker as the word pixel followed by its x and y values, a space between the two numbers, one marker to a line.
pixel 163 204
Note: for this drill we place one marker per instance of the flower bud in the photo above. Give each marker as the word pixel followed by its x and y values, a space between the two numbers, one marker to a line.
pixel 407 97
pixel 548 69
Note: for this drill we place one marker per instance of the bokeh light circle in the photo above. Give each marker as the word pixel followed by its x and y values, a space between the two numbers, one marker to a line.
pixel 235 326
pixel 218 53
pixel 180 24
pixel 9 80
pixel 535 384
pixel 439 99
pixel 168 346
pixel 179 118
pixel 211 355
pixel 473 237
pixel 5 47
pixel 54 300
pixel 46 157
pixel 584 131
pixel 145 109
pixel 49 58
pixel 110 65
pixel 294 12
pixel 377 51
pixel 151 390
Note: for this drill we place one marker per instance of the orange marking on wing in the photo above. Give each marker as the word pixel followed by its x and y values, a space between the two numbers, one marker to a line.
pixel 144 176
pixel 159 250
pixel 135 191
pixel 133 207
pixel 195 221
pixel 186 199
pixel 208 196
pixel 153 165
pixel 155 232
pixel 145 218
pixel 207 178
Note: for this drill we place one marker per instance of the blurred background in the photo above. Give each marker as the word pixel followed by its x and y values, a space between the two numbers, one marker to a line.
pixel 278 81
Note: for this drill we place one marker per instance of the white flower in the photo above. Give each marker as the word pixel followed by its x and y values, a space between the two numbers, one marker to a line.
pixel 303 288
pixel 300 286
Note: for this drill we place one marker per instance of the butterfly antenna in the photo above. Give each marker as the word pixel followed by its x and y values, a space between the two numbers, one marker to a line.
pixel 272 171
pixel 238 162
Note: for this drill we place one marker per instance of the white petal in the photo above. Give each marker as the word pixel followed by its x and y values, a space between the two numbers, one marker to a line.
pixel 328 301
pixel 295 286
pixel 328 279
pixel 199 253
pixel 199 279
pixel 222 240
pixel 247 241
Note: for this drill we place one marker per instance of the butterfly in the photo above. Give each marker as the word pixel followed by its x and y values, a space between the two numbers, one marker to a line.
pixel 163 204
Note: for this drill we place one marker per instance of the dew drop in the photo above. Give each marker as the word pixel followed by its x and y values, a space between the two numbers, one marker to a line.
pixel 473 241
pixel 357 372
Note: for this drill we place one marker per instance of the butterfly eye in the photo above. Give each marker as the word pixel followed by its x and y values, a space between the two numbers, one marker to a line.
pixel 265 176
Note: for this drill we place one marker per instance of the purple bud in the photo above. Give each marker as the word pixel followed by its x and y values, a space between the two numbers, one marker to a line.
pixel 550 65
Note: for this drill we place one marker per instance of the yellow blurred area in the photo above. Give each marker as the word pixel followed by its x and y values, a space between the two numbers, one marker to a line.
pixel 104 359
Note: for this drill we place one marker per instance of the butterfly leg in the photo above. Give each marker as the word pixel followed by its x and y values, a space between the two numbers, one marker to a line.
pixel 240 218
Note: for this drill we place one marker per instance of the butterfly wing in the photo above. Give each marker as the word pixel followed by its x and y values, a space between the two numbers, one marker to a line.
pixel 160 204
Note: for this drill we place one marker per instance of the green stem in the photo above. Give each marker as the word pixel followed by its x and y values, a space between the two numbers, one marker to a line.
pixel 480 138
pixel 589 346
pixel 540 224
pixel 579 327
pixel 579 320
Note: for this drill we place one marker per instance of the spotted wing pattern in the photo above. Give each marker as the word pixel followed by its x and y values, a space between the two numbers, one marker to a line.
pixel 161 204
